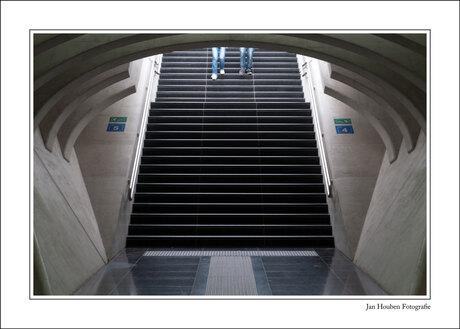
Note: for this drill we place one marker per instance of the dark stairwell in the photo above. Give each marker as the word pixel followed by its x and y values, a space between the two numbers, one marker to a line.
pixel 230 162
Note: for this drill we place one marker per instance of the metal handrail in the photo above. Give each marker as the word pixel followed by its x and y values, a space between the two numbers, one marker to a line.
pixel 140 136
pixel 318 132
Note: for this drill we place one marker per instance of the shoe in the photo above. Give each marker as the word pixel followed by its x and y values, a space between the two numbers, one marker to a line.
pixel 249 71
pixel 214 76
pixel 222 71
pixel 241 72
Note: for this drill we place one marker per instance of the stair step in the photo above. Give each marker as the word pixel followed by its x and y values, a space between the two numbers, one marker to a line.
pixel 230 207
pixel 231 105
pixel 235 52
pixel 180 60
pixel 175 100
pixel 179 94
pixel 229 229
pixel 230 142
pixel 231 119
pixel 226 177
pixel 230 159
pixel 235 218
pixel 231 162
pixel 250 112
pixel 235 241
pixel 233 168
pixel 231 126
pixel 230 88
pixel 229 81
pixel 235 151
pixel 208 134
pixel 230 70
pixel 231 62
pixel 231 187
pixel 230 75
pixel 233 197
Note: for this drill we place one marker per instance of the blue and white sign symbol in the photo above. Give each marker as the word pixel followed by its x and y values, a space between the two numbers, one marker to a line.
pixel 344 129
pixel 117 127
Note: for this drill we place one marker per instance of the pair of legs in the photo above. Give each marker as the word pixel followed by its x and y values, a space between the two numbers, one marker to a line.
pixel 246 55
pixel 218 55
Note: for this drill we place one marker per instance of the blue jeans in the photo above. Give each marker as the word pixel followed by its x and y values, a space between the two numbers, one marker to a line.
pixel 218 52
pixel 246 63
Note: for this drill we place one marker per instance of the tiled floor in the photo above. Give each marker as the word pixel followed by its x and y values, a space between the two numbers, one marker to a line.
pixel 328 272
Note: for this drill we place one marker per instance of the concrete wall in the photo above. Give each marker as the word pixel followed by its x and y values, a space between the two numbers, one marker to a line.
pixel 106 159
pixel 378 207
pixel 392 244
pixel 68 246
pixel 354 162
pixel 81 206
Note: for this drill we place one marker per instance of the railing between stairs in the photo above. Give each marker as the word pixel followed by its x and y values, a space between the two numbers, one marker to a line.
pixel 153 82
pixel 306 72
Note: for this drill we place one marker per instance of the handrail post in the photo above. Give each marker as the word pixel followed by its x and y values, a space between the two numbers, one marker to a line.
pixel 306 71
pixel 140 137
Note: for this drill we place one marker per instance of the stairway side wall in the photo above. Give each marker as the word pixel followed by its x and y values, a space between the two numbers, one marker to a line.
pixel 378 209
pixel 354 161
pixel 106 161
pixel 67 245
pixel 392 244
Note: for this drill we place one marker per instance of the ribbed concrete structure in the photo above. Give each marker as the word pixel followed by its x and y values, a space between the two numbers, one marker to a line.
pixel 80 80
pixel 392 67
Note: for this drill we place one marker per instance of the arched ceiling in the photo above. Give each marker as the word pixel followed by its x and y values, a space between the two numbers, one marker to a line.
pixel 395 63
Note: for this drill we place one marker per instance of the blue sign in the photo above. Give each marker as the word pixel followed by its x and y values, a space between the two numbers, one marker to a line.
pixel 117 127
pixel 344 129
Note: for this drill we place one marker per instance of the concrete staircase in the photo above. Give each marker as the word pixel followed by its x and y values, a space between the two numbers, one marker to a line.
pixel 230 162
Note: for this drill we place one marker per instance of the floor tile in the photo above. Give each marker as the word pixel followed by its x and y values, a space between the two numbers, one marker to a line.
pixel 201 277
pixel 167 268
pixel 131 273
pixel 262 284
pixel 230 276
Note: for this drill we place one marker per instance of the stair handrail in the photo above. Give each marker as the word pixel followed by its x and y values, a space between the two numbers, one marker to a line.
pixel 306 68
pixel 154 71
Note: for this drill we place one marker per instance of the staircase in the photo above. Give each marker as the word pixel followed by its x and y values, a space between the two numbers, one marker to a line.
pixel 230 162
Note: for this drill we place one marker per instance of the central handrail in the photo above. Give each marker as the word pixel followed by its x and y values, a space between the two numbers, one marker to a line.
pixel 318 132
pixel 140 139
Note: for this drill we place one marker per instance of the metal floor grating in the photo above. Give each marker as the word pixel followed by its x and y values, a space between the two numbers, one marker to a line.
pixel 231 276
pixel 229 253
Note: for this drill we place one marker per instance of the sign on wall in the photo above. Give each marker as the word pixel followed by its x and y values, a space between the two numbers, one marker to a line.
pixel 116 127
pixel 118 119
pixel 344 129
pixel 342 121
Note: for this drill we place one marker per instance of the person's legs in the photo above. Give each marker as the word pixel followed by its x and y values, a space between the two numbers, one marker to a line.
pixel 222 58
pixel 242 58
pixel 214 60
pixel 249 61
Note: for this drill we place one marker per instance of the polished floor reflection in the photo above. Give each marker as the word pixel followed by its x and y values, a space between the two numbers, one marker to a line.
pixel 243 272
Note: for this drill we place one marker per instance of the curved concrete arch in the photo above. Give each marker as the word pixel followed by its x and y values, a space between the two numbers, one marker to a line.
pixel 387 138
pixel 86 53
pixel 401 97
pixel 242 37
pixel 345 42
pixel 57 116
pixel 406 125
pixel 337 40
pixel 68 88
pixel 53 41
pixel 193 41
pixel 404 42
pixel 386 127
pixel 69 136
pixel 40 38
